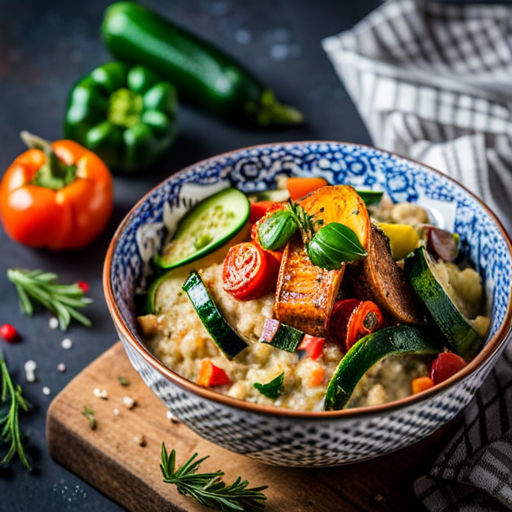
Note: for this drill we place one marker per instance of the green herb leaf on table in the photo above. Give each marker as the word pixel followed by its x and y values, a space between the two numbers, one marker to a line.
pixel 89 414
pixel 333 245
pixel 11 400
pixel 208 489
pixel 123 381
pixel 36 287
pixel 272 389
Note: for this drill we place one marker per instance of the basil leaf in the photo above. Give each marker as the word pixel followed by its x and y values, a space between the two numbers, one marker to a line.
pixel 370 196
pixel 275 231
pixel 333 245
pixel 271 389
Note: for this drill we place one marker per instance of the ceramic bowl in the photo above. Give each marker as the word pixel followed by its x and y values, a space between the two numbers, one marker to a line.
pixel 288 437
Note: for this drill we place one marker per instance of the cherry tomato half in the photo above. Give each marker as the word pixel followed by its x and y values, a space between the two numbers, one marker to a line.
pixel 246 273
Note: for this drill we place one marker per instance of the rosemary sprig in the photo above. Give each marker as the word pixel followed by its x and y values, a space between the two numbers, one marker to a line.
pixel 39 287
pixel 208 488
pixel 11 400
pixel 305 222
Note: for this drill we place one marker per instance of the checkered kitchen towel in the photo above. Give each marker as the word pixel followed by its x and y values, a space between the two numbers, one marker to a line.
pixel 434 82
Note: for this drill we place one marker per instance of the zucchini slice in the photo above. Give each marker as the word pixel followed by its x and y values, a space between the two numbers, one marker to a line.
pixel 458 333
pixel 209 225
pixel 370 197
pixel 401 339
pixel 223 335
pixel 281 336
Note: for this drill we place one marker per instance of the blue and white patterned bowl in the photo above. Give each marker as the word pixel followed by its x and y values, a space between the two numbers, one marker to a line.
pixel 288 437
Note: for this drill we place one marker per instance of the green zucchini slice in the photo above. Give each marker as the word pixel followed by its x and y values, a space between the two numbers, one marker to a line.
pixel 281 336
pixel 370 197
pixel 458 333
pixel 223 335
pixel 209 225
pixel 401 339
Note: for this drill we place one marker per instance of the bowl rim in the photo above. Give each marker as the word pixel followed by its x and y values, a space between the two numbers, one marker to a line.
pixel 493 344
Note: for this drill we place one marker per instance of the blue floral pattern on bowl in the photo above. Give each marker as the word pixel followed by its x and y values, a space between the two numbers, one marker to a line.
pixel 256 169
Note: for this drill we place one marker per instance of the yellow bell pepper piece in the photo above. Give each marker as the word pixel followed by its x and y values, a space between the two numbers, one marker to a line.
pixel 402 237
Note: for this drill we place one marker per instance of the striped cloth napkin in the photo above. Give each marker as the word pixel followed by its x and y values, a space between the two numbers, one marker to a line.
pixel 434 82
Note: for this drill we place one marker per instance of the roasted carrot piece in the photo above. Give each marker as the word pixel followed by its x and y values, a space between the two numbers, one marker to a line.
pixel 299 187
pixel 317 376
pixel 421 384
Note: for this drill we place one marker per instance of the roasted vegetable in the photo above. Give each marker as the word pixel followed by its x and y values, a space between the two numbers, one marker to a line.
pixel 223 335
pixel 205 228
pixel 459 335
pixel 445 365
pixel 306 293
pixel 55 195
pixel 300 187
pixel 204 75
pixel 126 115
pixel 211 375
pixel 351 320
pixel 403 239
pixel 441 243
pixel 402 339
pixel 379 279
pixel 281 336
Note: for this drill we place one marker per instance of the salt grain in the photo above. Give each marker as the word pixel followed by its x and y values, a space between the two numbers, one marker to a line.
pixel 100 393
pixel 61 367
pixel 30 371
pixel 46 391
pixel 116 412
pixel 129 402
pixel 53 323
pixel 66 343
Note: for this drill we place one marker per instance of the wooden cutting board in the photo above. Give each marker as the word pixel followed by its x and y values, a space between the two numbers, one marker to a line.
pixel 111 459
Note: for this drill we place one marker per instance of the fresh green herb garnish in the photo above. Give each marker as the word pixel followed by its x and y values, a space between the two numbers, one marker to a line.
pixel 272 389
pixel 275 231
pixel 39 287
pixel 89 414
pixel 305 222
pixel 11 400
pixel 333 245
pixel 208 489
pixel 124 382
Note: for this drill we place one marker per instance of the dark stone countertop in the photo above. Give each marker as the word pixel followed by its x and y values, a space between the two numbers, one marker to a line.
pixel 44 48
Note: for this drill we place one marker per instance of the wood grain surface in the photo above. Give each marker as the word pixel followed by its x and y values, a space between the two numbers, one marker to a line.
pixel 111 459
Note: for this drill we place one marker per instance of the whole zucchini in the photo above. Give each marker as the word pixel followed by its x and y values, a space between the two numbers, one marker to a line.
pixel 203 74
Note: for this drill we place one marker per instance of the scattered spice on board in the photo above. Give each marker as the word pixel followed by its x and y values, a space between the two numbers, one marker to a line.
pixel 123 381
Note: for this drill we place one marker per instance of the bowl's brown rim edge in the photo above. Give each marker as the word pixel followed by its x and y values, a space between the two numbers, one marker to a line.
pixel 492 345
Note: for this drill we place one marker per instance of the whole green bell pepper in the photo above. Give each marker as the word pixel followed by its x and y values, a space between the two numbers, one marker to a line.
pixel 125 114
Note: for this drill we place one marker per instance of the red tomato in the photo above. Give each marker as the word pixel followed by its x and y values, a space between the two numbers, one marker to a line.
pixel 313 346
pixel 351 320
pixel 445 365
pixel 367 318
pixel 246 273
pixel 9 333
pixel 260 209
pixel 338 321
